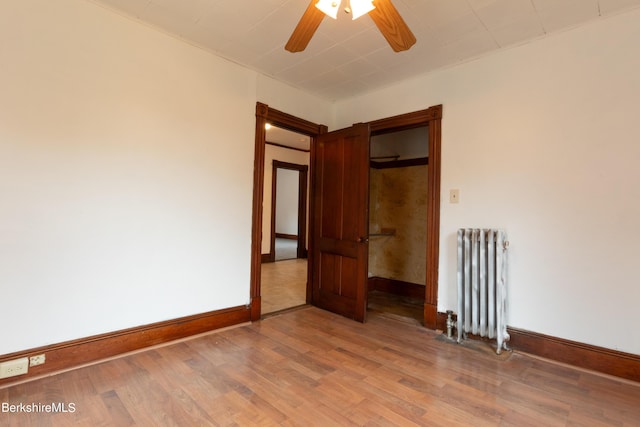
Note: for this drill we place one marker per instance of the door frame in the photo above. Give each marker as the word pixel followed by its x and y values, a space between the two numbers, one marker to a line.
pixel 432 118
pixel 264 115
pixel 303 171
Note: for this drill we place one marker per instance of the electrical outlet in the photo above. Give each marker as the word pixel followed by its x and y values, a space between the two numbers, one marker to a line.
pixel 11 368
pixel 36 360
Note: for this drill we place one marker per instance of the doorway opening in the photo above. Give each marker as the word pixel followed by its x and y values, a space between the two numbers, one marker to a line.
pixel 287 131
pixel 398 183
pixel 284 223
pixel 431 118
pixel 289 195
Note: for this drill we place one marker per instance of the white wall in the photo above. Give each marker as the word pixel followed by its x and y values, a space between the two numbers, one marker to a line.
pixel 543 141
pixel 126 173
pixel 287 201
pixel 293 101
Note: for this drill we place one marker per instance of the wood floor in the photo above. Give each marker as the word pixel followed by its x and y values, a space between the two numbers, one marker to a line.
pixel 397 307
pixel 310 367
pixel 283 284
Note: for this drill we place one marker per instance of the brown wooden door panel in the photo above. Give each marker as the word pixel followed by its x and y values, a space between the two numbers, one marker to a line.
pixel 344 247
pixel 341 221
pixel 337 273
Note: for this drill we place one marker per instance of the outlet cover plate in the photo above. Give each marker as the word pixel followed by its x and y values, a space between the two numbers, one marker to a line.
pixel 36 360
pixel 12 368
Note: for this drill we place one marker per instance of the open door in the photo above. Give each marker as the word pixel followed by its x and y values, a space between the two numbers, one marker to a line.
pixel 341 221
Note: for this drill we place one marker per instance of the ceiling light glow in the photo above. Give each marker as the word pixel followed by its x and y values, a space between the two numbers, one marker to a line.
pixel 357 8
pixel 329 7
pixel 361 7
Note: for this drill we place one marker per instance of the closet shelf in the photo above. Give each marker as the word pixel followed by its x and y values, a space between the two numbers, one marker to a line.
pixel 384 232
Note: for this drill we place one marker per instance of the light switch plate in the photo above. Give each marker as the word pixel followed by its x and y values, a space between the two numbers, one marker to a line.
pixel 454 195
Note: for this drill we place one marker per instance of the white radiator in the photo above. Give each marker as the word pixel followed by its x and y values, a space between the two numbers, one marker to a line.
pixel 482 286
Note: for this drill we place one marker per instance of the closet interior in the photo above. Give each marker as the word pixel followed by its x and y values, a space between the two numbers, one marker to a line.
pixel 397 223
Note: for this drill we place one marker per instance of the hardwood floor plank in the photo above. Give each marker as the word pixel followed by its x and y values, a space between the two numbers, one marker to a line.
pixel 517 419
pixel 275 407
pixel 452 412
pixel 350 364
pixel 117 411
pixel 386 415
pixel 311 367
pixel 530 401
pixel 338 394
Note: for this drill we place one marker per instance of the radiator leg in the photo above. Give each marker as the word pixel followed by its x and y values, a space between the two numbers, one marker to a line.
pixel 507 337
pixel 450 324
pixel 502 342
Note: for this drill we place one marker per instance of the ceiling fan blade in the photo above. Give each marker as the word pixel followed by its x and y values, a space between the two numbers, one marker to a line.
pixel 392 26
pixel 305 29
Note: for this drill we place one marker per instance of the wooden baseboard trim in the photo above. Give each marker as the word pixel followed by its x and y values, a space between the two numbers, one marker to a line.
pixel 396 287
pixel 264 258
pixel 70 354
pixel 586 356
pixel 580 355
pixel 286 236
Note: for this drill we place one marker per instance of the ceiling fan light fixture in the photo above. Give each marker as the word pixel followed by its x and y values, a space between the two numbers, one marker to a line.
pixel 360 7
pixel 329 7
pixel 385 17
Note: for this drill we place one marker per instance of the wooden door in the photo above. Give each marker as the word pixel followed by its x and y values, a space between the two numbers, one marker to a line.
pixel 341 221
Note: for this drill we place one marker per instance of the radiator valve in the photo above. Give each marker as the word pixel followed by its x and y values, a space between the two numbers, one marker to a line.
pixel 450 324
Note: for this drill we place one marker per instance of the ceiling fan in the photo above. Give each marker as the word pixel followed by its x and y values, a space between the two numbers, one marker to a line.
pixel 382 12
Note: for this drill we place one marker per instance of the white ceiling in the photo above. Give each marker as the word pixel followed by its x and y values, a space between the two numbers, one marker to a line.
pixel 347 57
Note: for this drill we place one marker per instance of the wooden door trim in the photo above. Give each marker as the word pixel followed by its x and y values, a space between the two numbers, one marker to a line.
pixel 264 115
pixel 431 117
pixel 302 206
pixel 406 121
